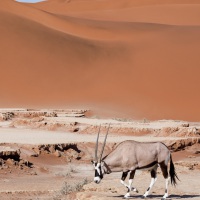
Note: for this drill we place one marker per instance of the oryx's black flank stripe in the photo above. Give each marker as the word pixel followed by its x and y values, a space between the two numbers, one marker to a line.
pixel 149 165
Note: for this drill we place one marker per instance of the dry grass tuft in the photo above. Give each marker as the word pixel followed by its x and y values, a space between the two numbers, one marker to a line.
pixel 68 188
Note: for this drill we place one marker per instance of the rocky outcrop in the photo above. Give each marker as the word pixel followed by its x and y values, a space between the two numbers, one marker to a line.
pixel 5 116
pixel 119 130
pixel 69 151
pixel 12 157
pixel 183 131
pixel 182 144
pixel 7 152
pixel 44 124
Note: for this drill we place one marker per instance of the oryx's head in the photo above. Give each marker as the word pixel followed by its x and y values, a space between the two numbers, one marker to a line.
pixel 98 163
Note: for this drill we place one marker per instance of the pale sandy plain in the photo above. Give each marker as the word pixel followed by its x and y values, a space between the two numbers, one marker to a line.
pixel 43 150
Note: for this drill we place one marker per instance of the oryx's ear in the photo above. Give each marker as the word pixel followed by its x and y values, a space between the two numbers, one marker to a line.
pixel 92 161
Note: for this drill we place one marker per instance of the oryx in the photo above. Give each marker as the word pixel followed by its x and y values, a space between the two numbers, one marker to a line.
pixel 130 156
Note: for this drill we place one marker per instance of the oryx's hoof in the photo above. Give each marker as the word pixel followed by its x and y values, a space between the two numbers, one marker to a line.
pixel 165 197
pixel 126 196
pixel 144 197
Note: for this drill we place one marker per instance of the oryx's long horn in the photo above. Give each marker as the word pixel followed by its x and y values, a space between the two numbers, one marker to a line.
pixel 96 147
pixel 104 143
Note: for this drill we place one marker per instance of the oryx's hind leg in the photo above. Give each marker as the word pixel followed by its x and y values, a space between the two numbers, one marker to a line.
pixel 153 180
pixel 129 186
pixel 164 170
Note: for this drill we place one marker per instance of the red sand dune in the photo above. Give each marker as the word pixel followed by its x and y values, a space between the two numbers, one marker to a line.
pixel 139 58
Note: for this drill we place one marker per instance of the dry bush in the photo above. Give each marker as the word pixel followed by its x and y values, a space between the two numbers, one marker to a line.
pixel 122 119
pixel 68 188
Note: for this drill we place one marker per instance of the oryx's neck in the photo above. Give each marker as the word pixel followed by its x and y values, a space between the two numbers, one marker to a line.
pixel 112 160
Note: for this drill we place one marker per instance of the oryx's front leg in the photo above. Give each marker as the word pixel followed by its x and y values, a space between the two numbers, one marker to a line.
pixel 129 186
pixel 153 180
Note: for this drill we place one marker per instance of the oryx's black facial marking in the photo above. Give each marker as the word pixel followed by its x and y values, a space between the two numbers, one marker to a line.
pixel 98 171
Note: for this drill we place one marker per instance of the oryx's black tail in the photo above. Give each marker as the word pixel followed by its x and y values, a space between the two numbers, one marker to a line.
pixel 172 173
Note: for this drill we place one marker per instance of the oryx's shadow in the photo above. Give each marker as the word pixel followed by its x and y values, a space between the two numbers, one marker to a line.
pixel 184 196
pixel 153 196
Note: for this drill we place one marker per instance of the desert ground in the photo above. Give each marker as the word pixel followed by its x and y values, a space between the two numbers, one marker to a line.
pixel 46 154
